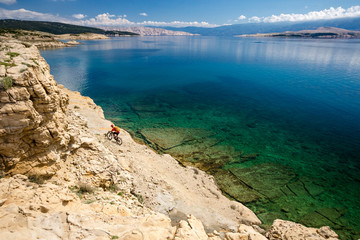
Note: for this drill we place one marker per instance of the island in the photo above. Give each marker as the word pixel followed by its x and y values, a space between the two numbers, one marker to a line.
pixel 321 33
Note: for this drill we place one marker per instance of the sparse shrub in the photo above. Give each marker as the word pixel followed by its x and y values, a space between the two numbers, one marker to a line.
pixel 89 201
pixel 23 70
pixel 113 187
pixel 8 64
pixel 120 194
pixel 81 189
pixel 85 188
pixel 114 237
pixel 13 54
pixel 6 83
pixel 35 62
pixel 26 64
pixel 139 197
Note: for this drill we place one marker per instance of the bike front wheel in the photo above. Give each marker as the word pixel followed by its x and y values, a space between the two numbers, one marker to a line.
pixel 109 135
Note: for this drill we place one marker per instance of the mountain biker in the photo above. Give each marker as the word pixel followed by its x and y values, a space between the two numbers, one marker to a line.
pixel 115 130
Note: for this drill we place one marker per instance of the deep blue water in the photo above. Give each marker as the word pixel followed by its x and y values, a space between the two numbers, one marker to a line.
pixel 293 103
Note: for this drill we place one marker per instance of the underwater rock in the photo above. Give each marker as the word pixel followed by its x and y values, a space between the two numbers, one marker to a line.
pixel 298 188
pixel 329 215
pixel 233 187
pixel 205 155
pixel 313 187
pixel 268 217
pixel 166 138
pixel 266 178
pixel 315 219
pixel 149 108
pixel 304 186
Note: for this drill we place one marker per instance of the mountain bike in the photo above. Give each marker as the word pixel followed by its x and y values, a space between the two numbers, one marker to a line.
pixel 110 135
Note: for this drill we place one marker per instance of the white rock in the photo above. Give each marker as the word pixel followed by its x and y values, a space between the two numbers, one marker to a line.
pixel 281 229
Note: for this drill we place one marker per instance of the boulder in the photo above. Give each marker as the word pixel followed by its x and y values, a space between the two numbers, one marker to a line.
pixel 281 229
pixel 190 230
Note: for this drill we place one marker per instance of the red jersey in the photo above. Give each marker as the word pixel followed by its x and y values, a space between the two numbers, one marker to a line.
pixel 115 129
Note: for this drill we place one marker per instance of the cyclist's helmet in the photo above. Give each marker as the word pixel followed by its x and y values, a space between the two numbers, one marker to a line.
pixel 112 125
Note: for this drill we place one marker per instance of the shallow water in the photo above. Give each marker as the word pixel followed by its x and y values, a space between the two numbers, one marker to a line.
pixel 275 121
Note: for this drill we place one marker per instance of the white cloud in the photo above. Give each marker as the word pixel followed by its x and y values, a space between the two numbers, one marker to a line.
pixel 101 20
pixel 255 19
pixel 29 15
pixel 106 19
pixel 79 16
pixel 331 13
pixel 8 1
pixel 143 14
pixel 241 17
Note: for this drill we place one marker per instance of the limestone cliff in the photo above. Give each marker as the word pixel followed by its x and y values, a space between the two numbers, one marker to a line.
pixel 33 129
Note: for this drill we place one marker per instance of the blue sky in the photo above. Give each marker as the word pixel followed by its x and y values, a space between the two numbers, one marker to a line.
pixel 208 13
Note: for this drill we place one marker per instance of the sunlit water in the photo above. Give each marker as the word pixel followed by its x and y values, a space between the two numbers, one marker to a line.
pixel 277 122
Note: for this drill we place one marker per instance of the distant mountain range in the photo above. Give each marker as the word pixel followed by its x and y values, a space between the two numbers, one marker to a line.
pixel 253 28
pixel 56 27
pixel 149 31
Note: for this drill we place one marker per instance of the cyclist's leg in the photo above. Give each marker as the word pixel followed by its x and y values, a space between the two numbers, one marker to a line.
pixel 116 135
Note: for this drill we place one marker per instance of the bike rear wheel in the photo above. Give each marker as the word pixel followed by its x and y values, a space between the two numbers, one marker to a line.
pixel 118 140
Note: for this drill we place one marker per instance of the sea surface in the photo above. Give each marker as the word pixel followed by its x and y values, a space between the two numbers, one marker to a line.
pixel 275 121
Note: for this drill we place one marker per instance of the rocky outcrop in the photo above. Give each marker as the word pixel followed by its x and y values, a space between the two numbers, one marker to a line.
pixel 39 39
pixel 293 231
pixel 82 36
pixel 32 211
pixel 45 40
pixel 33 128
pixel 73 42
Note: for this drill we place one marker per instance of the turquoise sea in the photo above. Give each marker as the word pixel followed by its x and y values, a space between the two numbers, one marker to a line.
pixel 276 121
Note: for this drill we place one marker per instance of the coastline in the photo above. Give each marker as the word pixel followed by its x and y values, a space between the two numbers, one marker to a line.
pixel 160 180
